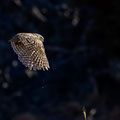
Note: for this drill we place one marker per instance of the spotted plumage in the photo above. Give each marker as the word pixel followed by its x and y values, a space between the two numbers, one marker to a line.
pixel 30 50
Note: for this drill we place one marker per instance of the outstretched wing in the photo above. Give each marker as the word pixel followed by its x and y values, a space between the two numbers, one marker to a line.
pixel 31 53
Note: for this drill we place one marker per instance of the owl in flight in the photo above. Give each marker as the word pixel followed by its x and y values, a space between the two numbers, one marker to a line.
pixel 30 50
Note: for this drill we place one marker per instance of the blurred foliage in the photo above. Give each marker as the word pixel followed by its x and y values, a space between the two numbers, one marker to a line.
pixel 82 45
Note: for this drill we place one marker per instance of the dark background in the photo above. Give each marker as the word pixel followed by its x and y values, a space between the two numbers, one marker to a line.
pixel 82 43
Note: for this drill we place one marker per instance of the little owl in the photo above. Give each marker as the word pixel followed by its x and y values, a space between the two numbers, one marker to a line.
pixel 30 50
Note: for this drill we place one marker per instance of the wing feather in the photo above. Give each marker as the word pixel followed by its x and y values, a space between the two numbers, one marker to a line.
pixel 22 54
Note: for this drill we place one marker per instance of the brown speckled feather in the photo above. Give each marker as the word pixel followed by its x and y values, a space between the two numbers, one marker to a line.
pixel 30 50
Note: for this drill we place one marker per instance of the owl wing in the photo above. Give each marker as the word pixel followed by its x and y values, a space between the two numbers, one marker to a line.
pixel 31 53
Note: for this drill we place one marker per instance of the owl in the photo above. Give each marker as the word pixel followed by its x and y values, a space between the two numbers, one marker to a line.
pixel 30 50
